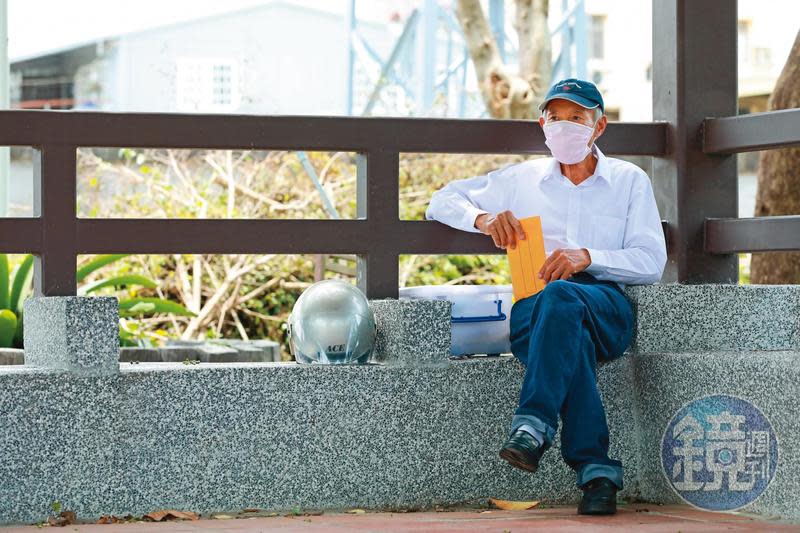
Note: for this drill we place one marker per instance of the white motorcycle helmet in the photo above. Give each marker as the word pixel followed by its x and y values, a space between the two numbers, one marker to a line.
pixel 332 323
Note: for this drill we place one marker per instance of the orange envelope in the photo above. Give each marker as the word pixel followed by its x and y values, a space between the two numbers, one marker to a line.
pixel 526 260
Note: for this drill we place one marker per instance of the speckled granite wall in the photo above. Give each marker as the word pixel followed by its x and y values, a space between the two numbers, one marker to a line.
pixel 213 437
pixel 216 437
pixel 686 318
pixel 412 332
pixel 73 333
pixel 770 380
pixel 693 341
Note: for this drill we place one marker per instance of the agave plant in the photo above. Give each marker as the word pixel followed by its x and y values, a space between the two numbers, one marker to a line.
pixel 13 290
pixel 11 300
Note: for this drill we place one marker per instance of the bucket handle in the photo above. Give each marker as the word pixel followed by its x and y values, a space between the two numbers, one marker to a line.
pixel 500 316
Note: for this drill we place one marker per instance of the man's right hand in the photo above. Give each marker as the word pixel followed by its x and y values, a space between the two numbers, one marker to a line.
pixel 503 228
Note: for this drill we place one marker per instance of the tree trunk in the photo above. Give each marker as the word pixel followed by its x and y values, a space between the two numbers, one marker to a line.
pixel 779 181
pixel 535 63
pixel 506 94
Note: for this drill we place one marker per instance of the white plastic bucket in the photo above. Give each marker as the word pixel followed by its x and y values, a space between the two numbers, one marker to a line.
pixel 480 315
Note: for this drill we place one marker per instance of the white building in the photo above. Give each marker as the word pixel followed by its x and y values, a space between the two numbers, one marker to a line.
pixel 620 52
pixel 275 58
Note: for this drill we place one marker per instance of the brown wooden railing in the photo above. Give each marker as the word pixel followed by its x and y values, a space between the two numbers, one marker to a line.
pixel 377 237
pixel 694 171
pixel 747 133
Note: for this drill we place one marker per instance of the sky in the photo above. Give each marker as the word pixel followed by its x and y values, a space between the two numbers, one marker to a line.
pixel 40 25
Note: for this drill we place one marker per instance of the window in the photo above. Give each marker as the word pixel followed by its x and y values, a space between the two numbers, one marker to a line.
pixel 743 40
pixel 597 37
pixel 597 77
pixel 221 85
pixel 762 56
pixel 207 85
pixel 15 86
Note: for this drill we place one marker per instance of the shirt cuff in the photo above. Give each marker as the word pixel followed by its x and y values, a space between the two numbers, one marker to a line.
pixel 468 222
pixel 599 261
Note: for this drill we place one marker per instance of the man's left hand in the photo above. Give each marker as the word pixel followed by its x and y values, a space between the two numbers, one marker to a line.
pixel 563 263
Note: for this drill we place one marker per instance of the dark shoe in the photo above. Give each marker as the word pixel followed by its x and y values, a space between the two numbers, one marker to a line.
pixel 522 450
pixel 599 497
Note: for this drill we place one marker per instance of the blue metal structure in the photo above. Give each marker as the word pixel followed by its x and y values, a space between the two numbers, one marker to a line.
pixel 429 64
pixel 497 20
pixel 571 33
pixel 312 173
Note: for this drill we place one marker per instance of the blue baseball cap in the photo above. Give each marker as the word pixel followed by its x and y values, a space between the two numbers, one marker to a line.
pixel 582 92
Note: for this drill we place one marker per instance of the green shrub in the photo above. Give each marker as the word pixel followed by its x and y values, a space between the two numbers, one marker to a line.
pixel 12 296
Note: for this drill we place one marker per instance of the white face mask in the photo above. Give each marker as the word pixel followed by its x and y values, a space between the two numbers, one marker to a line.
pixel 568 141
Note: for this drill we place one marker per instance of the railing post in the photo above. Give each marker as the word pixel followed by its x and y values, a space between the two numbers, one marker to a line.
pixel 64 331
pixel 694 77
pixel 54 200
pixel 377 200
pixel 78 334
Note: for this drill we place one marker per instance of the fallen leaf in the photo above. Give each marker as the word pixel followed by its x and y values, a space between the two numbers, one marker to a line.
pixel 170 514
pixel 221 517
pixel 64 518
pixel 110 519
pixel 257 514
pixel 508 505
pixel 356 511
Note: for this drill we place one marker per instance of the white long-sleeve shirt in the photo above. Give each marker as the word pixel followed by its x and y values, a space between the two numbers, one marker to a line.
pixel 613 213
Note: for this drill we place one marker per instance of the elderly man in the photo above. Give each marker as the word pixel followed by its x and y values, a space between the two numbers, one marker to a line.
pixel 602 231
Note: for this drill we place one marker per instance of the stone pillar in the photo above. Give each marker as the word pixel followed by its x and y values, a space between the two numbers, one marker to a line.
pixel 74 333
pixel 412 332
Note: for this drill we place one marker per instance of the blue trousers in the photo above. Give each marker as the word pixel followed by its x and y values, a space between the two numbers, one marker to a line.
pixel 560 334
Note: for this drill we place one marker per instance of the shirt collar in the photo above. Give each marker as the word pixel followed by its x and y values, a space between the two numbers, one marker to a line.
pixel 602 170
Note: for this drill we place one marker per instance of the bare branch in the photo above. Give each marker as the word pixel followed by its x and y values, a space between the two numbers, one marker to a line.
pixel 184 286
pixel 258 291
pixel 239 326
pixel 197 281
pixel 255 264
pixel 262 316
pixel 210 271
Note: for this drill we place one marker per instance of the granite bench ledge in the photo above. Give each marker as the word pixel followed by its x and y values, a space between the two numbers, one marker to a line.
pixel 218 437
pixel 672 317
